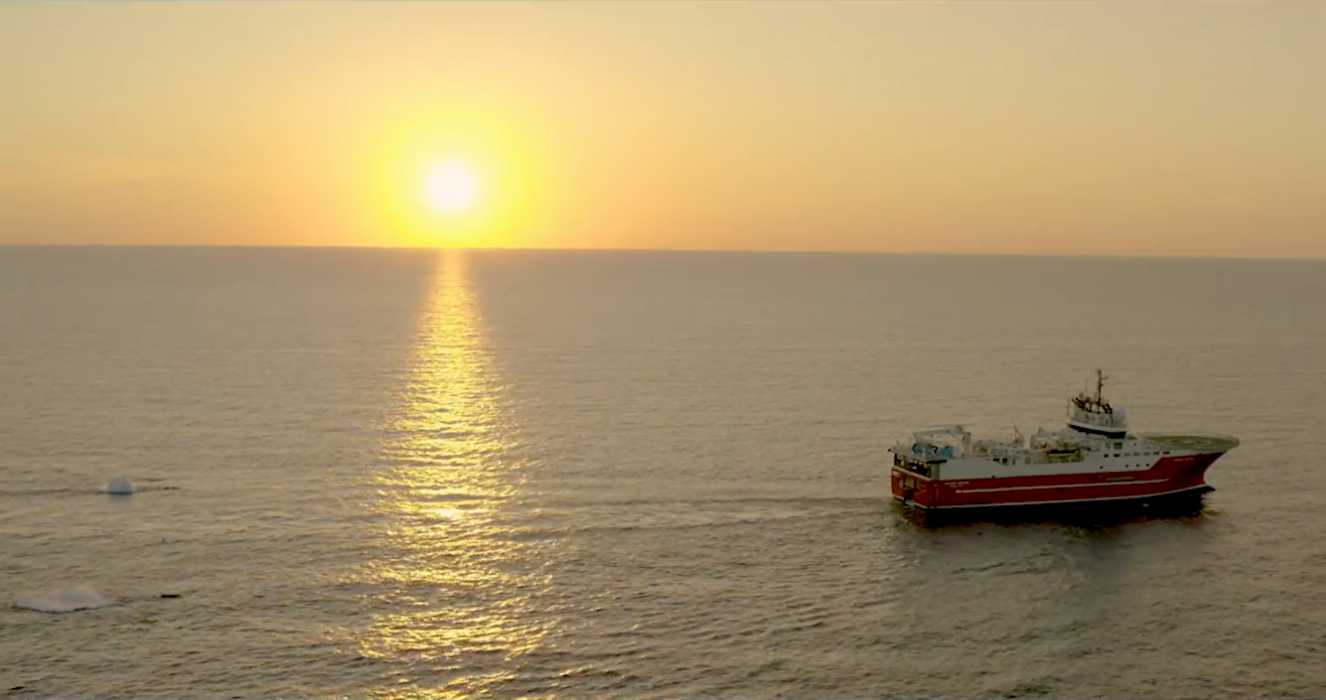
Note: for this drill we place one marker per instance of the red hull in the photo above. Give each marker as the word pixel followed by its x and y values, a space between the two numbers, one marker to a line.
pixel 1170 475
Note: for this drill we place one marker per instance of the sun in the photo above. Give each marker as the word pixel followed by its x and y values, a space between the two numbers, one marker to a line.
pixel 450 188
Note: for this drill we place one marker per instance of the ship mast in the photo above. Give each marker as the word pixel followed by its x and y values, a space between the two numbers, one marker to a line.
pixel 1093 413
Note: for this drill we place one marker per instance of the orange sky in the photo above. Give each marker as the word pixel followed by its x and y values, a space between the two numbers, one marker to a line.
pixel 1178 128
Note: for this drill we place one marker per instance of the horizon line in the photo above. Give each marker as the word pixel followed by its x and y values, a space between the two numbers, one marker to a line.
pixel 776 251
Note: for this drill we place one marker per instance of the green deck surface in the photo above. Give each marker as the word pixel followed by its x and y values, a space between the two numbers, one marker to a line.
pixel 1202 443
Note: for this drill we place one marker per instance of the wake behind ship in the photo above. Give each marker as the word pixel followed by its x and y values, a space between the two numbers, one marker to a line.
pixel 1094 460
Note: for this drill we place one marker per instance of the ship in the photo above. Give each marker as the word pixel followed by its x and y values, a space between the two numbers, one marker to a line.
pixel 1094 459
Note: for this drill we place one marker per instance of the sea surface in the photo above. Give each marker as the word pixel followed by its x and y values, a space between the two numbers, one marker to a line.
pixel 392 474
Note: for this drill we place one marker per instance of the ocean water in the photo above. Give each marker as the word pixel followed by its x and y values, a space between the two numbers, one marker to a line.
pixel 367 473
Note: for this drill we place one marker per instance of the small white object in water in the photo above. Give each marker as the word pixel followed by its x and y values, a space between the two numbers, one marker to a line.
pixel 80 597
pixel 120 486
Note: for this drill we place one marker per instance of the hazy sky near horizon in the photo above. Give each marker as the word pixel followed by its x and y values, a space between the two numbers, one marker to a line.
pixel 1076 127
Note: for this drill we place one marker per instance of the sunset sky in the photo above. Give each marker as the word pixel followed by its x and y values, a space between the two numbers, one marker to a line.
pixel 1135 128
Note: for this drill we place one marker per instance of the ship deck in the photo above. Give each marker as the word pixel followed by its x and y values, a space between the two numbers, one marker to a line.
pixel 1200 443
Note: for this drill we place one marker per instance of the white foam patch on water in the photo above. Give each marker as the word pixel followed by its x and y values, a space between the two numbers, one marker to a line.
pixel 80 597
pixel 120 486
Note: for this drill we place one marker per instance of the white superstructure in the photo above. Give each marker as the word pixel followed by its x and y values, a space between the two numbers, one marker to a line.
pixel 1096 440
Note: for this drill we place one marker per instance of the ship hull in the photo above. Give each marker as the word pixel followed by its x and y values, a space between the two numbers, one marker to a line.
pixel 1177 476
pixel 1183 504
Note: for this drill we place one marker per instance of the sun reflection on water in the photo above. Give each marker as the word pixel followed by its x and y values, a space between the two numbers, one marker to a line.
pixel 455 588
